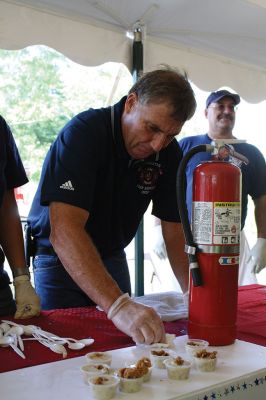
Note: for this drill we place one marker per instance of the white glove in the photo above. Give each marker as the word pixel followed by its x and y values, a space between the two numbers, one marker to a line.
pixel 159 245
pixel 27 301
pixel 140 322
pixel 258 254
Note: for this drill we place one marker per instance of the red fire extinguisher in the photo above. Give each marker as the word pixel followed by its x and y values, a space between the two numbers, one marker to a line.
pixel 212 246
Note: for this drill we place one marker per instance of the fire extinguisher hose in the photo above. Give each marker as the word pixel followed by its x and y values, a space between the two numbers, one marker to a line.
pixel 191 247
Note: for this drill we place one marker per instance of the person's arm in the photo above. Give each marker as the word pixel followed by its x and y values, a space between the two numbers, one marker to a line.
pixel 258 252
pixel 11 236
pixel 79 256
pixel 260 216
pixel 11 239
pixel 175 245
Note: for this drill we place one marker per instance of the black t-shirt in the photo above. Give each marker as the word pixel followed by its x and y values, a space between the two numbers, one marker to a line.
pixel 89 167
pixel 12 173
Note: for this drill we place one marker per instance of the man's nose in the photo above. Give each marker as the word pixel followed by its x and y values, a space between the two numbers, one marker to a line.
pixel 158 142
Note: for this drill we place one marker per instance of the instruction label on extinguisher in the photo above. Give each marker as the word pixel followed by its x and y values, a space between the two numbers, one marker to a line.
pixel 216 223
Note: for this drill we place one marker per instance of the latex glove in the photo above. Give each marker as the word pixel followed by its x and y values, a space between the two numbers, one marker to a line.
pixel 140 322
pixel 258 254
pixel 159 245
pixel 27 301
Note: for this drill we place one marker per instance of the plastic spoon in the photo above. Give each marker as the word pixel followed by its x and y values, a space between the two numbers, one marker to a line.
pixel 5 326
pixel 55 347
pixel 75 344
pixel 17 350
pixel 10 341
pixel 28 329
pixel 17 330
pixel 6 340
pixel 71 345
pixel 86 342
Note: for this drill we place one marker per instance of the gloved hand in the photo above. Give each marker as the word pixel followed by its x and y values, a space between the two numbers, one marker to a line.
pixel 27 301
pixel 140 322
pixel 258 254
pixel 159 245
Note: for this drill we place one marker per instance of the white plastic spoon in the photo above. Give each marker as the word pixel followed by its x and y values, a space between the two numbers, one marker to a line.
pixel 87 341
pixel 5 326
pixel 55 347
pixel 80 343
pixel 10 341
pixel 17 330
pixel 6 340
pixel 28 329
pixel 75 345
pixel 71 345
pixel 17 350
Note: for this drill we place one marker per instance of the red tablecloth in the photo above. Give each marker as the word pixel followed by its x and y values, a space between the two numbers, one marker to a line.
pixel 89 322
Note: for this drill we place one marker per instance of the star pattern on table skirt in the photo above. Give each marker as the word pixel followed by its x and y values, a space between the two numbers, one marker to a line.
pixel 232 389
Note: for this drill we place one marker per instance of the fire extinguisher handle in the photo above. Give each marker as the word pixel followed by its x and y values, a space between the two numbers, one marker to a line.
pixel 196 275
pixel 195 270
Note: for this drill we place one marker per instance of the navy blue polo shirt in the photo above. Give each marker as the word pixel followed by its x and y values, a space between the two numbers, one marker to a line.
pixel 89 167
pixel 253 174
pixel 12 173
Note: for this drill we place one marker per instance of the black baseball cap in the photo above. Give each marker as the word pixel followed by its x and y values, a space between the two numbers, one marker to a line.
pixel 216 96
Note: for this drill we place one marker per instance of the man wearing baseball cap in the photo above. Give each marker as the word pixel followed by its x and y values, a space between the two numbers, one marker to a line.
pixel 220 112
pixel 215 97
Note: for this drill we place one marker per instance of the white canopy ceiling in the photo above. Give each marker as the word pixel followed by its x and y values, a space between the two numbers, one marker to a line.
pixel 218 42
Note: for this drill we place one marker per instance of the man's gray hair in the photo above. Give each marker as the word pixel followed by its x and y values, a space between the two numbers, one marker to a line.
pixel 167 85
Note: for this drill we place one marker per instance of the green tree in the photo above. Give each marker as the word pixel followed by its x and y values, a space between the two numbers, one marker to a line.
pixel 40 90
pixel 32 99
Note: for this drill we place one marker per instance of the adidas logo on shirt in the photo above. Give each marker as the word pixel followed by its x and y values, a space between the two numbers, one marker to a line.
pixel 67 185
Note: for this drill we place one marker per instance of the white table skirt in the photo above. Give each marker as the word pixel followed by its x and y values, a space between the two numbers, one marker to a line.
pixel 240 374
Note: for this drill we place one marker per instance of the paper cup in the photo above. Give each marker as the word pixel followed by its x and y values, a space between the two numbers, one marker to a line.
pixel 103 387
pixel 158 356
pixel 90 370
pixel 205 361
pixel 176 371
pixel 130 385
pixel 194 345
pixel 98 358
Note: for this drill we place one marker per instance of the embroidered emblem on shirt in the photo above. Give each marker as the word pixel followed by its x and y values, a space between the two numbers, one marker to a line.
pixel 147 174
pixel 67 185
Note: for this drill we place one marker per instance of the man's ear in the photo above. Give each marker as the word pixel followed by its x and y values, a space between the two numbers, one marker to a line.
pixel 206 112
pixel 131 101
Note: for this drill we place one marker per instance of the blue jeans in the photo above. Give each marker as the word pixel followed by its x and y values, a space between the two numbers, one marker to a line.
pixel 58 290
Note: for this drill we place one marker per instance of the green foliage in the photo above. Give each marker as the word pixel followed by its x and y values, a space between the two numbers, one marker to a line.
pixel 32 99
pixel 40 90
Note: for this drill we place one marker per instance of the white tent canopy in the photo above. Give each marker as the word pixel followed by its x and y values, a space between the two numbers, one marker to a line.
pixel 218 42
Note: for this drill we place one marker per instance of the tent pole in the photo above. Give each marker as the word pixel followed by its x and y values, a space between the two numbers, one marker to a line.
pixel 137 70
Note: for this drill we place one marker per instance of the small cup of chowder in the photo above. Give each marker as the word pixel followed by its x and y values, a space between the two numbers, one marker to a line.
pixel 144 365
pixel 130 379
pixel 103 387
pixel 98 357
pixel 94 370
pixel 158 356
pixel 194 345
pixel 177 368
pixel 205 361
